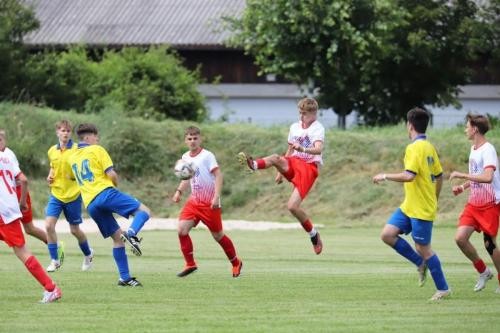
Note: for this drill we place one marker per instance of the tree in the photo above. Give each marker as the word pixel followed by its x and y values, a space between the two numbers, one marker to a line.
pixel 379 58
pixel 16 21
pixel 485 41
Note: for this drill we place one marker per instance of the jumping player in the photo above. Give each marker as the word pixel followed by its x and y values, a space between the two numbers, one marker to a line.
pixel 422 178
pixel 299 165
pixel 481 212
pixel 95 175
pixel 10 224
pixel 64 197
pixel 203 204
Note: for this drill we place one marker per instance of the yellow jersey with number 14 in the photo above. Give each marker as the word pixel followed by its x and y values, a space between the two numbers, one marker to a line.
pixel 89 164
pixel 422 160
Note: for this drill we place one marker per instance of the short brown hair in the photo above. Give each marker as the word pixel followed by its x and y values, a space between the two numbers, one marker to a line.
pixel 308 104
pixel 419 119
pixel 192 130
pixel 64 123
pixel 83 129
pixel 481 122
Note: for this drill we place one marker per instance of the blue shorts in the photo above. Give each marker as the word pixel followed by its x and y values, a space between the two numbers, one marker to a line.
pixel 106 203
pixel 421 230
pixel 72 210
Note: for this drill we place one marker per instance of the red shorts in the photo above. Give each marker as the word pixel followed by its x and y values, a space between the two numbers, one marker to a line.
pixel 211 217
pixel 12 234
pixel 483 219
pixel 301 174
pixel 28 213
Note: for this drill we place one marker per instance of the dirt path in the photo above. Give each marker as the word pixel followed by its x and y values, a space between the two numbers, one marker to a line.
pixel 171 224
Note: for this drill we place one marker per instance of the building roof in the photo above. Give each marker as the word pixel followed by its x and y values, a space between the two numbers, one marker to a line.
pixel 183 24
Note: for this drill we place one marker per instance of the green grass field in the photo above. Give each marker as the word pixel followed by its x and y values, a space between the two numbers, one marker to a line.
pixel 356 285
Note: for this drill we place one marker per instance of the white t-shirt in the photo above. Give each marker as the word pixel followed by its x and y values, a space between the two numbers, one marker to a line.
pixel 11 155
pixel 479 159
pixel 203 181
pixel 306 137
pixel 9 205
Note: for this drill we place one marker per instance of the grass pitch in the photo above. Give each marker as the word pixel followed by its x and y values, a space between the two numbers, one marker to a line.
pixel 356 285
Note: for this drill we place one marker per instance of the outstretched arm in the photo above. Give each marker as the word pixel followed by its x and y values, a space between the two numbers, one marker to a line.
pixel 485 177
pixel 401 177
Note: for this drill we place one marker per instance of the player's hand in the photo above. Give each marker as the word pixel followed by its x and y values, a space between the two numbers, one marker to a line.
pixel 215 202
pixel 176 197
pixel 297 147
pixel 378 178
pixel 50 179
pixel 457 189
pixel 279 178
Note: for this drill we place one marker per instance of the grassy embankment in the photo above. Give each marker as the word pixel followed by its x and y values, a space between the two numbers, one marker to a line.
pixel 343 196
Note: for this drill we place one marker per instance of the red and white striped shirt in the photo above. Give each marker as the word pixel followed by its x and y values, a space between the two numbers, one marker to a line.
pixel 480 159
pixel 203 181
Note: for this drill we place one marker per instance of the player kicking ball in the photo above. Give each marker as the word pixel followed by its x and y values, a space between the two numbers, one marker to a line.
pixel 300 165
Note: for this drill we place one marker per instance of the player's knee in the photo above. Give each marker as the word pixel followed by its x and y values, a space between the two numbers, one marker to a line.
pixel 274 159
pixel 145 209
pixel 489 244
pixel 460 241
pixel 293 208
pixel 389 239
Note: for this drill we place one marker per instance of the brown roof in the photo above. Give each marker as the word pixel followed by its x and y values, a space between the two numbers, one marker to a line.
pixel 183 24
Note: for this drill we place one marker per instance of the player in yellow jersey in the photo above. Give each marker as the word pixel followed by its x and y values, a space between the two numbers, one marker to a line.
pixel 97 179
pixel 64 197
pixel 422 178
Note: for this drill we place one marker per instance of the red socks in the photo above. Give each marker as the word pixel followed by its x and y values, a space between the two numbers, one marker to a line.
pixel 479 265
pixel 261 164
pixel 228 247
pixel 307 225
pixel 33 265
pixel 187 250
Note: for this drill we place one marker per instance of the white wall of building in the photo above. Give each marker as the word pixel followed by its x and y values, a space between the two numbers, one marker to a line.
pixel 276 104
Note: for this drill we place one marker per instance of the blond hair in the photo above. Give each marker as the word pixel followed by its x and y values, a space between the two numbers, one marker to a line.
pixel 308 104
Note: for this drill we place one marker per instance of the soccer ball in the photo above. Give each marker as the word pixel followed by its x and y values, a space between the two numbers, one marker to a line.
pixel 184 170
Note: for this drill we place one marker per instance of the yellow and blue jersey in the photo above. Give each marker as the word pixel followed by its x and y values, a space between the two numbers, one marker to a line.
pixel 89 164
pixel 64 187
pixel 421 159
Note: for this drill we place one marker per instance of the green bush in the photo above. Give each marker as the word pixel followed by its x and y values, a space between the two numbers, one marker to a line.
pixel 134 151
pixel 146 83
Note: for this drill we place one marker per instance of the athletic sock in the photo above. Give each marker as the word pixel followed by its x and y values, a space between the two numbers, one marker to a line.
pixel 187 249
pixel 403 248
pixel 121 261
pixel 437 274
pixel 228 247
pixel 34 267
pixel 479 265
pixel 84 246
pixel 138 222
pixel 260 163
pixel 53 251
pixel 307 225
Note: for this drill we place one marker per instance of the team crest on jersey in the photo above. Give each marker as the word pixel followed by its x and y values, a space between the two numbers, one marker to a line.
pixel 474 167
